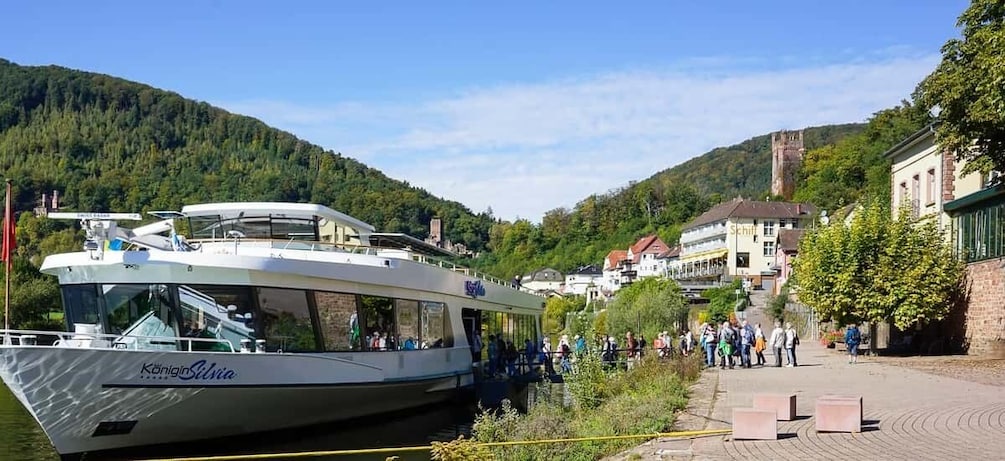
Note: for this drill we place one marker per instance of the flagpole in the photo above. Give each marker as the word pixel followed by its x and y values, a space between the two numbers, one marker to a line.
pixel 6 265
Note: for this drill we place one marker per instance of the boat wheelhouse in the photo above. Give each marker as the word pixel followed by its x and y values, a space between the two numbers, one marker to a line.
pixel 284 310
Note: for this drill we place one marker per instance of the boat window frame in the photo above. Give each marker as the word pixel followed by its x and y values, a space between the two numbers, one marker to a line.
pixel 217 221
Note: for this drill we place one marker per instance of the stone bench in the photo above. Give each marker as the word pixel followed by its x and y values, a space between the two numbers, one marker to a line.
pixel 839 413
pixel 754 424
pixel 783 404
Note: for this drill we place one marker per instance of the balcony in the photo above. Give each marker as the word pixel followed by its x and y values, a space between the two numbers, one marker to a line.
pixel 703 233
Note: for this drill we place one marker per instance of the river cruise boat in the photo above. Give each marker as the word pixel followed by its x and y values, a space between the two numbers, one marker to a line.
pixel 234 318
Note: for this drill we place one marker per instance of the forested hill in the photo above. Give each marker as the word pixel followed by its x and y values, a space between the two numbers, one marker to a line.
pixel 661 204
pixel 745 168
pixel 108 144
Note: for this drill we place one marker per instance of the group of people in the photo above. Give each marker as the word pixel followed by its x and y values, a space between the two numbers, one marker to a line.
pixel 504 357
pixel 731 341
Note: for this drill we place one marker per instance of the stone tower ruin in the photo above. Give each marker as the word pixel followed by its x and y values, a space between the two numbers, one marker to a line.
pixel 786 155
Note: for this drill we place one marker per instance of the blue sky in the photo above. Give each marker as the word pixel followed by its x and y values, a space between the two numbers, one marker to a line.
pixel 518 106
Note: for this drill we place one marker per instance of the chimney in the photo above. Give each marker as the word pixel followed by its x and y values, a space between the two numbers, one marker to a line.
pixel 55 200
pixel 799 208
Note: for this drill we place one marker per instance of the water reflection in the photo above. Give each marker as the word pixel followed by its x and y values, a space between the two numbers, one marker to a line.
pixel 22 439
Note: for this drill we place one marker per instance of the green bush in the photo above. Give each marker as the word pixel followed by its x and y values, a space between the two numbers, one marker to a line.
pixel 642 400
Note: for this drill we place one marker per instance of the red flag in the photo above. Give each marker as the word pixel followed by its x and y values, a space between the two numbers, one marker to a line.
pixel 8 231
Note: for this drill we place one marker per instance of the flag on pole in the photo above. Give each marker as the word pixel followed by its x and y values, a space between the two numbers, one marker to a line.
pixel 8 231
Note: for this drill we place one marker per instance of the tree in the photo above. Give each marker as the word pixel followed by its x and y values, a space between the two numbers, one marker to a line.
pixel 653 303
pixel 877 269
pixel 969 88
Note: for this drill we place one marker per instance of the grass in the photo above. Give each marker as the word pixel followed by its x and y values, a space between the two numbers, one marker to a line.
pixel 643 400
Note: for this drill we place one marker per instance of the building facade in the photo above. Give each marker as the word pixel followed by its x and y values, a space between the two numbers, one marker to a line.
pixel 738 239
pixel 971 210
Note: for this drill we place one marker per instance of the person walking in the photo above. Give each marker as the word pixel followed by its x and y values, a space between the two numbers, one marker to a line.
pixel 746 342
pixel 688 342
pixel 727 337
pixel 791 341
pixel 759 344
pixel 709 343
pixel 777 343
pixel 852 338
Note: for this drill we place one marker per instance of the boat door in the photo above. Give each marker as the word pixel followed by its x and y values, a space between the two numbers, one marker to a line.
pixel 472 320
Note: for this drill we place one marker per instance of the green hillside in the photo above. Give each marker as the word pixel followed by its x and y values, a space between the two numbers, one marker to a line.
pixel 108 144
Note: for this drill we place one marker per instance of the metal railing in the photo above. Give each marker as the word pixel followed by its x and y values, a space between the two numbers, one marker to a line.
pixel 69 339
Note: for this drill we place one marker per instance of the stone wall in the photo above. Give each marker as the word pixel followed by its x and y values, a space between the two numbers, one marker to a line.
pixel 985 313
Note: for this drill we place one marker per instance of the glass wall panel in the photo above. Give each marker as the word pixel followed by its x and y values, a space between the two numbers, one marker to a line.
pixel 145 311
pixel 408 324
pixel 218 312
pixel 378 318
pixel 286 320
pixel 80 303
pixel 339 321
pixel 432 323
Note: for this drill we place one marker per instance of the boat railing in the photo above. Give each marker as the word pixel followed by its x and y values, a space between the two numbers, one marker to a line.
pixel 69 339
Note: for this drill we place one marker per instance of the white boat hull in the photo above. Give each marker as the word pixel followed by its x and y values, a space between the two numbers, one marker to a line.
pixel 89 399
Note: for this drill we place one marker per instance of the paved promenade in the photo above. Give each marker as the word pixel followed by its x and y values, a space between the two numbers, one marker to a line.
pixel 910 415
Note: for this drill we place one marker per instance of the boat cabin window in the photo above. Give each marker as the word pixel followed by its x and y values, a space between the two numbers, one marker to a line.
pixel 286 320
pixel 378 317
pixel 254 227
pixel 81 305
pixel 433 318
pixel 338 320
pixel 407 315
pixel 142 311
pixel 217 312
pixel 511 327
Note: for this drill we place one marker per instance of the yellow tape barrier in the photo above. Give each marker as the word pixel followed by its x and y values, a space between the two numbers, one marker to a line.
pixel 368 451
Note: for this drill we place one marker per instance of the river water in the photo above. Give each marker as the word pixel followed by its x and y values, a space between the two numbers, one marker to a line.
pixel 22 439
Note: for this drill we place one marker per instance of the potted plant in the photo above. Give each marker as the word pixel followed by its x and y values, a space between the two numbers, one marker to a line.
pixel 830 339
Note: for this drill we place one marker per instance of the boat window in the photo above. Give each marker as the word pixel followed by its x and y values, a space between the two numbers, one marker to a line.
pixel 294 229
pixel 286 320
pixel 433 315
pixel 408 324
pixel 141 311
pixel 252 228
pixel 378 317
pixel 80 303
pixel 217 311
pixel 339 321
pixel 206 227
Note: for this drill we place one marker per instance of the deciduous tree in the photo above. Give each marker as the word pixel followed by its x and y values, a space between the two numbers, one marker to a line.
pixel 878 268
pixel 969 88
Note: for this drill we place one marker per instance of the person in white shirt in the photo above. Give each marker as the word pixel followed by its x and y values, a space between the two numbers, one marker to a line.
pixel 791 341
pixel 777 343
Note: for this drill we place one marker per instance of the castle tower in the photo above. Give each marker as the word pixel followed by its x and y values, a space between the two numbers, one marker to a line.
pixel 435 232
pixel 786 155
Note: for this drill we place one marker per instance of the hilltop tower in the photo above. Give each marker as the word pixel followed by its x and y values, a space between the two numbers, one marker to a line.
pixel 786 155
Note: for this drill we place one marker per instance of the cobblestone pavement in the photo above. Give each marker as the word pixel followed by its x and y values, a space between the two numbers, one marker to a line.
pixel 909 414
pixel 915 408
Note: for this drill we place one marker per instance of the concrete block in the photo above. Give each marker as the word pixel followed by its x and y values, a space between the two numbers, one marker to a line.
pixel 850 398
pixel 783 404
pixel 754 424
pixel 838 415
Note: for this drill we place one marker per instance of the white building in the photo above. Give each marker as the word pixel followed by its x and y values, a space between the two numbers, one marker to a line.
pixel 543 280
pixel 579 281
pixel 738 239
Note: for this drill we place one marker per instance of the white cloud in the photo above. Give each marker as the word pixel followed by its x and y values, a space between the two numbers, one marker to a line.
pixel 523 149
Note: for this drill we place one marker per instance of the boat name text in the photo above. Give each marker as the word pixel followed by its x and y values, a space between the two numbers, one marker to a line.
pixel 196 371
pixel 474 288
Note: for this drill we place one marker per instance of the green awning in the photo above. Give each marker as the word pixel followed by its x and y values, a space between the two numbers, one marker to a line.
pixel 977 198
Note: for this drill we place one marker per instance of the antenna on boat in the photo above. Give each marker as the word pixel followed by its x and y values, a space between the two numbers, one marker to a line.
pixel 99 227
